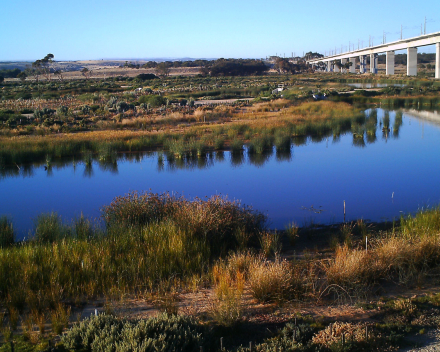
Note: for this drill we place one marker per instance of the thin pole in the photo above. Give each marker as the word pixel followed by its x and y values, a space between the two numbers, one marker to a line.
pixel 344 210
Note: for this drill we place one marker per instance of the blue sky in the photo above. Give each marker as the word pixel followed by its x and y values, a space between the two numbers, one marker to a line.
pixel 96 29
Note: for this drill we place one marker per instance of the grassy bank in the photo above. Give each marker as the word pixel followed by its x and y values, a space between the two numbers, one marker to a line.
pixel 157 244
pixel 266 123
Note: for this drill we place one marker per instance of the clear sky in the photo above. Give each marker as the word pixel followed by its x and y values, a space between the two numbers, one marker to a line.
pixel 96 29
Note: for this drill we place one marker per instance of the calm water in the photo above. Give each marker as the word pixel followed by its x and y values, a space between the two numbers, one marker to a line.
pixel 374 85
pixel 379 177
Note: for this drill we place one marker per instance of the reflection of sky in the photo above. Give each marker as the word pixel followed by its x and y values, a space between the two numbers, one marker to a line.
pixel 318 175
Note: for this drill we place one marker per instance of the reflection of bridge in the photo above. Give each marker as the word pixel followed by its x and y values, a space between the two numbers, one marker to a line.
pixel 410 45
pixel 431 116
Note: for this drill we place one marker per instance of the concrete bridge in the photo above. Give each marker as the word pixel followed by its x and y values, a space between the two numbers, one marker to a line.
pixel 411 45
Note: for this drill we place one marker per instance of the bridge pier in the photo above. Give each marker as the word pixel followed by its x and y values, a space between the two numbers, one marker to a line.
pixel 373 63
pixel 411 68
pixel 362 64
pixel 335 68
pixel 390 63
pixel 343 62
pixel 353 64
pixel 437 60
pixel 329 66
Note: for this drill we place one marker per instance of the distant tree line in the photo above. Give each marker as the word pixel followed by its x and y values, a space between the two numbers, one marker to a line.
pixel 234 67
pixel 400 59
pixel 177 63
pixel 11 73
pixel 283 65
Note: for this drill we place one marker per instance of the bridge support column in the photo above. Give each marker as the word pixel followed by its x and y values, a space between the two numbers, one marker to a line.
pixel 373 63
pixel 329 66
pixel 437 61
pixel 411 68
pixel 353 64
pixel 335 68
pixel 343 62
pixel 362 64
pixel 390 63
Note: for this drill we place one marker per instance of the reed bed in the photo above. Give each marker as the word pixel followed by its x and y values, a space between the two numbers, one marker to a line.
pixel 261 132
pixel 148 239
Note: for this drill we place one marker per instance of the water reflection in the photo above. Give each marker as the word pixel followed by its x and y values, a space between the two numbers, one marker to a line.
pixel 363 129
pixel 296 173
pixel 237 158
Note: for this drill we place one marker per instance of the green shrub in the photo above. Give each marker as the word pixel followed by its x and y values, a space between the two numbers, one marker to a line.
pixel 154 100
pixel 162 333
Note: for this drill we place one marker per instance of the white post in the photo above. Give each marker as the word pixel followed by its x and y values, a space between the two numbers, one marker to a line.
pixel 390 63
pixel 437 61
pixel 353 64
pixel 411 68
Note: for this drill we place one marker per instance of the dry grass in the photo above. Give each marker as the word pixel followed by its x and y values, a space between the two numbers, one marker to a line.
pixel 276 281
pixel 227 306
pixel 350 268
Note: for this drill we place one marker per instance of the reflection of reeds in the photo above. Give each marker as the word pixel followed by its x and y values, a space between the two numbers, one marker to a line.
pixel 398 121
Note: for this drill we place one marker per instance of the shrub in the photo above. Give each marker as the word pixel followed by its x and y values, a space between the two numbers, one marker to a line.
pixel 154 100
pixel 146 76
pixel 162 333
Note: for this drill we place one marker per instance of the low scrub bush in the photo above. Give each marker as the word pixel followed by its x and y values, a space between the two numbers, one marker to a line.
pixel 162 333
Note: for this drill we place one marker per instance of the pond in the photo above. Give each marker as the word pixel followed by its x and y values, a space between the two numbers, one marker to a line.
pixel 374 85
pixel 386 166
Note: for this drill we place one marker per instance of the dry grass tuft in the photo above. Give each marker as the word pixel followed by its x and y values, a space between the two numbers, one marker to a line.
pixel 276 281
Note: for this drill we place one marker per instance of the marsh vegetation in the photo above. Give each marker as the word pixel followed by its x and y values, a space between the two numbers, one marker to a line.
pixel 159 247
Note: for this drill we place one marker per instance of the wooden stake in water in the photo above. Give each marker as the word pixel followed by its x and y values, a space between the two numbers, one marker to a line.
pixel 221 343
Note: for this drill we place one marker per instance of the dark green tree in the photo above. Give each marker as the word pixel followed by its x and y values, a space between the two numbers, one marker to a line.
pixel 22 75
pixel 163 69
